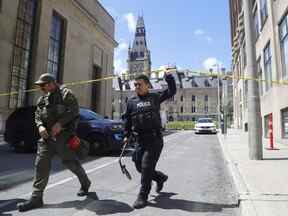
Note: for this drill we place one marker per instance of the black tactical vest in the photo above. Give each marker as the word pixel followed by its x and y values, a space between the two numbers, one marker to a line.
pixel 145 114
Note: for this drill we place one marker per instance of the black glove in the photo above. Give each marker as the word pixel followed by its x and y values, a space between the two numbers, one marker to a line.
pixel 168 76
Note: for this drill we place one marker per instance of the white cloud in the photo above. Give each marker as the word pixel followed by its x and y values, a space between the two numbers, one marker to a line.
pixel 213 63
pixel 209 39
pixel 131 21
pixel 122 47
pixel 120 65
pixel 199 32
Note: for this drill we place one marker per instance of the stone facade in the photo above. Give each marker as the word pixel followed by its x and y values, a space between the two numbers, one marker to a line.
pixel 86 50
pixel 271 54
pixel 198 91
pixel 139 59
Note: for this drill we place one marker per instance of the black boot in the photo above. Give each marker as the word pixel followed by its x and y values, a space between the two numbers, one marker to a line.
pixel 34 202
pixel 160 183
pixel 84 190
pixel 140 202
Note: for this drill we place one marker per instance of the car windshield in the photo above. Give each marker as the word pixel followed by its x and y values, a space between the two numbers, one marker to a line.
pixel 205 121
pixel 88 115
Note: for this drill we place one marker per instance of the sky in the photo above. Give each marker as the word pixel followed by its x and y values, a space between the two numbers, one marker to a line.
pixel 190 34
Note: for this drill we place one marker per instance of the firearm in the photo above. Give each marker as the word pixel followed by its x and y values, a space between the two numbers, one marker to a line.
pixel 123 166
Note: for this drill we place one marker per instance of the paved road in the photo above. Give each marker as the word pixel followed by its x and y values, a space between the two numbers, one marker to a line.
pixel 199 184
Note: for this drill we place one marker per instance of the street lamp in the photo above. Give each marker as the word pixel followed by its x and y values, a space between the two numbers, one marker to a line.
pixel 217 65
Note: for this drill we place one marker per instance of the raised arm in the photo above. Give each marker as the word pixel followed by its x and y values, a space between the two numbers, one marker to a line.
pixel 171 91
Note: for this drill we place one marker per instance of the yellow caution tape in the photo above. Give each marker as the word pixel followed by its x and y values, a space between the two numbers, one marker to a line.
pixel 208 74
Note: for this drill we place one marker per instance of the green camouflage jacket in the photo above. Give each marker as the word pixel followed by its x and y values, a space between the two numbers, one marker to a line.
pixel 59 106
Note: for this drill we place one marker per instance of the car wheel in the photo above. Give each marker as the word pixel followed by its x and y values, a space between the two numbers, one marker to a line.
pixel 96 144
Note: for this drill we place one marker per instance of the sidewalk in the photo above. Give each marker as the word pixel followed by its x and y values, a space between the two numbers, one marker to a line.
pixel 262 185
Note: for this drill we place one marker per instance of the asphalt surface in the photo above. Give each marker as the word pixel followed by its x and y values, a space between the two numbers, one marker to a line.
pixel 198 184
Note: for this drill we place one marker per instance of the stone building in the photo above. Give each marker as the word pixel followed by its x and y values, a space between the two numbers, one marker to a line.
pixel 197 96
pixel 139 59
pixel 72 39
pixel 270 26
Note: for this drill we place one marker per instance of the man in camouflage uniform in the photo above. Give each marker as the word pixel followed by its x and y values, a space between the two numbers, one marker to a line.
pixel 56 118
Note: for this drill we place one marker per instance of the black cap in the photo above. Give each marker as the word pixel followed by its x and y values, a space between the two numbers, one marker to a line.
pixel 45 78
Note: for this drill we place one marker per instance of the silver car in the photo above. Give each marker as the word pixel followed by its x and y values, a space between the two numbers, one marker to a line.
pixel 205 125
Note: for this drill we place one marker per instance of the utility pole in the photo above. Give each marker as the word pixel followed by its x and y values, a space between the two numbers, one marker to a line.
pixel 254 113
pixel 218 97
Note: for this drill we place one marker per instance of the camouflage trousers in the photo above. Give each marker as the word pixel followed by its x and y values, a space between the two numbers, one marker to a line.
pixel 47 149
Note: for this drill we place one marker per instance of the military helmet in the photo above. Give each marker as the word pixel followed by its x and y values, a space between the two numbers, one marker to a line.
pixel 45 78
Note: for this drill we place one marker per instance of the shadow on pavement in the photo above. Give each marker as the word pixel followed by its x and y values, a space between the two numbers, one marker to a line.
pixel 280 158
pixel 93 204
pixel 9 205
pixel 164 201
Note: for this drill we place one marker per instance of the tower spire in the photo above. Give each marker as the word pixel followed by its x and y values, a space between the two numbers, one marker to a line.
pixel 139 56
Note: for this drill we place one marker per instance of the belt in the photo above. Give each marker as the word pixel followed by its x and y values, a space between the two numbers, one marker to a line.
pixel 148 133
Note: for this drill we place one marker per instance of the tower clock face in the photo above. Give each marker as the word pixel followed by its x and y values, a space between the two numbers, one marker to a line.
pixel 138 67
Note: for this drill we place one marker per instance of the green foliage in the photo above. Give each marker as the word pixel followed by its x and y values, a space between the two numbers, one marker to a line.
pixel 180 125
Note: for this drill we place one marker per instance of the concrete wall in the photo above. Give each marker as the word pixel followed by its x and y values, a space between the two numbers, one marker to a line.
pixel 89 42
pixel 8 16
pixel 275 99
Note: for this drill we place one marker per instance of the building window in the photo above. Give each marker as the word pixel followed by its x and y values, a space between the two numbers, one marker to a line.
pixel 137 43
pixel 268 67
pixel 56 46
pixel 193 98
pixel 244 56
pixel 284 122
pixel 193 108
pixel 260 76
pixel 207 84
pixel 181 98
pixel 206 98
pixel 256 23
pixel 181 109
pixel 266 125
pixel 22 52
pixel 263 12
pixel 284 46
pixel 193 83
pixel 141 54
pixel 206 108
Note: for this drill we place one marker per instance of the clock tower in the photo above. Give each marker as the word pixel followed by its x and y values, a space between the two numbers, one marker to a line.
pixel 139 60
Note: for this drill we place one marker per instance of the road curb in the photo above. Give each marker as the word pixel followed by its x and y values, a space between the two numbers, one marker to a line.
pixel 247 207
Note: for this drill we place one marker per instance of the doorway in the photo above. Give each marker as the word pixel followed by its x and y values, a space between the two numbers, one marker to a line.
pixel 96 89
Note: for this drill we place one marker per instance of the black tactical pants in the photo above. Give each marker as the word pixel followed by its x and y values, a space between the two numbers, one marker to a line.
pixel 46 151
pixel 145 157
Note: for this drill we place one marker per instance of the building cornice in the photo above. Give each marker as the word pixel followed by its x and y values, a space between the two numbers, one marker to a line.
pixel 94 20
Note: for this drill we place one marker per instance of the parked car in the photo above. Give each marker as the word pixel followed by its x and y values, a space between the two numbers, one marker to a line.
pixel 103 134
pixel 205 125
pixel 20 131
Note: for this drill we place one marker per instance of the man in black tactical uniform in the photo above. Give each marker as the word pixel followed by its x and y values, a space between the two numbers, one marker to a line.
pixel 56 118
pixel 142 118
